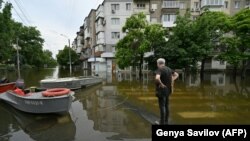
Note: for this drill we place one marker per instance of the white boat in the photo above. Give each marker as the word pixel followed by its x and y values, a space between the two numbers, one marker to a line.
pixel 72 83
pixel 38 103
pixel 69 82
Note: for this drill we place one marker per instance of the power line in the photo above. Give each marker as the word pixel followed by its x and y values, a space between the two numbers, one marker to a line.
pixel 23 13
pixel 18 14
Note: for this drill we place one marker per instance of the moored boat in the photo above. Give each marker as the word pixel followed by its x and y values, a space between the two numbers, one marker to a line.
pixel 72 83
pixel 7 86
pixel 39 102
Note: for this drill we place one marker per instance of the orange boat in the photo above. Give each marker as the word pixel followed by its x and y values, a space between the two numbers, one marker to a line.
pixel 7 86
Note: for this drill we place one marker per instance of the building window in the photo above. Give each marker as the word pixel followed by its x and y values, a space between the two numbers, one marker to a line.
pixel 154 6
pixel 196 5
pixel 247 2
pixel 115 7
pixel 237 4
pixel 222 62
pixel 182 5
pixel 226 4
pixel 128 6
pixel 115 35
pixel 141 6
pixel 115 21
pixel 169 18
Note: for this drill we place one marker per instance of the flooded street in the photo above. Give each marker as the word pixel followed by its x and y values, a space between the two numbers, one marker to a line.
pixel 123 108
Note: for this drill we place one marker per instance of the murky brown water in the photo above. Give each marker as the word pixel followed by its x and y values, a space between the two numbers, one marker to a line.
pixel 124 108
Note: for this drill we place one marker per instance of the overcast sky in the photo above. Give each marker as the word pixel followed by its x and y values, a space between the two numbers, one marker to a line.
pixel 54 17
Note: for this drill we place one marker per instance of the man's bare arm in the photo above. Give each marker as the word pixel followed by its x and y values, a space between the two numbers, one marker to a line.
pixel 158 80
pixel 175 76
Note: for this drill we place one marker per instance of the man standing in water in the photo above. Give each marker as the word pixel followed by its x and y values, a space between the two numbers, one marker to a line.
pixel 164 79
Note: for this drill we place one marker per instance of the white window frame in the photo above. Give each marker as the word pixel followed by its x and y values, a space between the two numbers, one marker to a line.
pixel 115 7
pixel 115 35
pixel 182 5
pixel 141 6
pixel 237 4
pixel 115 21
pixel 128 6
pixel 226 4
pixel 169 17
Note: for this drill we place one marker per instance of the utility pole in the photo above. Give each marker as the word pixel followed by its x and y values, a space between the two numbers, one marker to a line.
pixel 18 61
pixel 70 67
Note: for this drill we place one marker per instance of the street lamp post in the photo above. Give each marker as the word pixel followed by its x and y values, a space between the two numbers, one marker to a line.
pixel 70 63
pixel 18 58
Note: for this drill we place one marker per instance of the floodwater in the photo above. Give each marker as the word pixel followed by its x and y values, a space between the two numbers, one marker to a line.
pixel 123 108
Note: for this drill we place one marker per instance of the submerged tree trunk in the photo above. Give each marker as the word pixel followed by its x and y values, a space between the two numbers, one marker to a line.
pixel 234 73
pixel 202 69
pixel 244 68
pixel 140 67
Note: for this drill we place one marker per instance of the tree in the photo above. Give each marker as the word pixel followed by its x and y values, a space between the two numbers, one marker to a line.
pixel 208 29
pixel 241 29
pixel 48 59
pixel 140 38
pixel 5 32
pixel 63 57
pixel 177 51
pixel 231 52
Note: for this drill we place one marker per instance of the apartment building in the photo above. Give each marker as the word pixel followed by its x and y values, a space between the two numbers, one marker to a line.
pixel 102 28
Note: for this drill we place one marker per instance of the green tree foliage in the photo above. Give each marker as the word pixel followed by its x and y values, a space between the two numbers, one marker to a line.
pixel 63 57
pixel 140 38
pixel 6 32
pixel 29 39
pixel 193 41
pixel 236 48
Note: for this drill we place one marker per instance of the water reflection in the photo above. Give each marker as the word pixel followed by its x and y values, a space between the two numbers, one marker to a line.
pixel 106 108
pixel 37 127
pixel 124 107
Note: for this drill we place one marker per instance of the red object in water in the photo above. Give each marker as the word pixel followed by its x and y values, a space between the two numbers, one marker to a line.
pixel 19 92
pixel 56 92
pixel 7 86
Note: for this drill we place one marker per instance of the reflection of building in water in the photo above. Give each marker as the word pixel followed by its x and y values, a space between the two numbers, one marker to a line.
pixel 104 107
pixel 193 80
pixel 217 79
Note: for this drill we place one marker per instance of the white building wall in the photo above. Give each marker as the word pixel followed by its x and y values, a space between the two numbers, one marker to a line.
pixel 122 14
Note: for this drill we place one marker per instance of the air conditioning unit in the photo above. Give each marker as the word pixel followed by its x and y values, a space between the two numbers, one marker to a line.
pixel 152 10
pixel 113 11
pixel 192 9
pixel 197 9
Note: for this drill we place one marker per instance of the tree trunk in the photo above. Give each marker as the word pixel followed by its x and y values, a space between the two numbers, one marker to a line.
pixel 234 73
pixel 243 70
pixel 140 67
pixel 202 69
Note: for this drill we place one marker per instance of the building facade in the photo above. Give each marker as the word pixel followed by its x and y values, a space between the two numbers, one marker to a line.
pixel 102 28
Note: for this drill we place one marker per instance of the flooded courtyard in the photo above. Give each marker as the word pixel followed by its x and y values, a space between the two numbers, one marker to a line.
pixel 123 108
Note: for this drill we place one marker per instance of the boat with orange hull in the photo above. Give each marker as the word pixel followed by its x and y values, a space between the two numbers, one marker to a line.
pixel 7 86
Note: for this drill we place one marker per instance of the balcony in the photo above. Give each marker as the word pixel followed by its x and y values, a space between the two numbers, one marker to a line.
pixel 99 28
pixel 86 34
pixel 100 41
pixel 99 12
pixel 212 3
pixel 99 48
pixel 171 4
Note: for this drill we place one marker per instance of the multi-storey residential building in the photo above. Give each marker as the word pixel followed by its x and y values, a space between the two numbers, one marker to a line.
pixel 103 27
pixel 89 38
pixel 111 16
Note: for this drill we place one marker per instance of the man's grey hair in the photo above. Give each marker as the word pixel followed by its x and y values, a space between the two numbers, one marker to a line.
pixel 161 61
